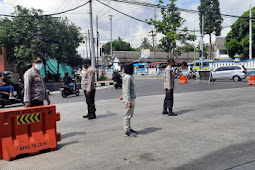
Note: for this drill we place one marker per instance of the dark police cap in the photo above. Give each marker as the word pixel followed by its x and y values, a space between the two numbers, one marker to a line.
pixel 37 60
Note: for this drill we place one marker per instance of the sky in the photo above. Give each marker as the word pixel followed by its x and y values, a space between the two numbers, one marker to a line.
pixel 127 28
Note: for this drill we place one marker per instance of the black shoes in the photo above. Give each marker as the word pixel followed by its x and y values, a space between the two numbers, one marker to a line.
pixel 86 116
pixel 133 131
pixel 90 117
pixel 165 112
pixel 172 114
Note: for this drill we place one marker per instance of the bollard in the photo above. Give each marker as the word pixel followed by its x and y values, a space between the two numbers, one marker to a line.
pixel 28 131
pixel 251 80
pixel 183 79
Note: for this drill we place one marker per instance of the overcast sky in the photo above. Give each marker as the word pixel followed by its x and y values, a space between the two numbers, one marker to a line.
pixel 130 30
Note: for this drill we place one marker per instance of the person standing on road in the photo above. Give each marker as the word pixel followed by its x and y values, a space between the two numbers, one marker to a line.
pixel 128 96
pixel 169 88
pixel 88 85
pixel 35 89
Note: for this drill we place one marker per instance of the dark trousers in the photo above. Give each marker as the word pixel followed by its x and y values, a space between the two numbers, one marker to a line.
pixel 169 100
pixel 34 103
pixel 90 100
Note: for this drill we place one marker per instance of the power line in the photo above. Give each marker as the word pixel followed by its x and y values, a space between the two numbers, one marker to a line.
pixel 46 15
pixel 145 4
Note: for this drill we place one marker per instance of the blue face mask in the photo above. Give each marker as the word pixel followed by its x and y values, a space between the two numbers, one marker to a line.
pixel 38 66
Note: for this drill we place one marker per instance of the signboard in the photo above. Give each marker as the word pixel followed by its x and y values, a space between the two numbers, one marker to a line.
pixel 145 53
pixel 152 71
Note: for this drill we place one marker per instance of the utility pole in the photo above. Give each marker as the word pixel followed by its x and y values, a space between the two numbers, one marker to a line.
pixel 92 37
pixel 97 39
pixel 202 41
pixel 86 46
pixel 110 16
pixel 194 64
pixel 89 45
pixel 250 48
pixel 153 42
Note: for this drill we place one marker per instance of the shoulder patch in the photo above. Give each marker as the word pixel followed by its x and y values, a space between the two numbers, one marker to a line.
pixel 91 73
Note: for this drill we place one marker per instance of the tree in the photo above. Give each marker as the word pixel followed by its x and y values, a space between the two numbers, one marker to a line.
pixel 117 45
pixel 39 36
pixel 212 19
pixel 237 40
pixel 145 44
pixel 168 26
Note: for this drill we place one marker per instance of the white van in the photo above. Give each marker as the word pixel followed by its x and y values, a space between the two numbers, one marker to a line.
pixel 235 73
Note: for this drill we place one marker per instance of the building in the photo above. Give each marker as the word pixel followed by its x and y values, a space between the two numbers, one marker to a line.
pixel 122 57
pixel 221 51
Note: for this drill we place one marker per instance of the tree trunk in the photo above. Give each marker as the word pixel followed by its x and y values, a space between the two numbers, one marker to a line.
pixel 45 71
pixel 210 46
pixel 169 51
pixel 58 68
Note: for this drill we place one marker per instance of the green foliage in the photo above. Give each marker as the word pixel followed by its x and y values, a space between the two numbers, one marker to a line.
pixel 145 44
pixel 39 36
pixel 213 20
pixel 118 45
pixel 102 78
pixel 237 40
pixel 171 21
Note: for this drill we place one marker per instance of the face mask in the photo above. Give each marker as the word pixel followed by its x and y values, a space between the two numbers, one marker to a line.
pixel 38 66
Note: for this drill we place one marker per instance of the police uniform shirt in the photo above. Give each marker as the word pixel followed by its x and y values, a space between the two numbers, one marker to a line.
pixel 88 79
pixel 34 86
pixel 169 78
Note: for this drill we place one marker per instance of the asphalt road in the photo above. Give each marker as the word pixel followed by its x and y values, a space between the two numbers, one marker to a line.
pixel 213 131
pixel 147 86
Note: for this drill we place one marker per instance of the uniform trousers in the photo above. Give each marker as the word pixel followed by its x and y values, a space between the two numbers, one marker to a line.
pixel 169 100
pixel 90 100
pixel 129 112
pixel 34 103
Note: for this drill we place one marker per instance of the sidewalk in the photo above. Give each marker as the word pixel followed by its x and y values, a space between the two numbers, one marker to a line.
pixel 214 130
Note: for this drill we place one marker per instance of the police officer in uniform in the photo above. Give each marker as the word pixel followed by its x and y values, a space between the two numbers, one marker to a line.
pixel 35 89
pixel 88 85
pixel 169 88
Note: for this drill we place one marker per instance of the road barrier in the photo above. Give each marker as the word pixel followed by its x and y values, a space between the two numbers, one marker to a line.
pixel 28 131
pixel 183 79
pixel 251 80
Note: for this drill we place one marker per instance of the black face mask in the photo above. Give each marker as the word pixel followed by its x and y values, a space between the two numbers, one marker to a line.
pixel 129 69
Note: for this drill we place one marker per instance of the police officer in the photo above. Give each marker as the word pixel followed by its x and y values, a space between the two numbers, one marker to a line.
pixel 169 88
pixel 88 85
pixel 35 89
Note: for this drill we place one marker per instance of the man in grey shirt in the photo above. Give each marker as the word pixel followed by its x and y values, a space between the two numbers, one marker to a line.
pixel 169 88
pixel 35 89
pixel 128 96
pixel 88 85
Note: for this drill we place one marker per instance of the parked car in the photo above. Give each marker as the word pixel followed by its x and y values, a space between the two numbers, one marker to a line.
pixel 235 73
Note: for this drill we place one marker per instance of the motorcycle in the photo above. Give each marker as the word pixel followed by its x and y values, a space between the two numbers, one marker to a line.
pixel 67 90
pixel 18 97
pixel 117 80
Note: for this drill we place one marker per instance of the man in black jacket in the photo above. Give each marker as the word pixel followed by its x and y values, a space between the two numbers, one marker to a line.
pixel 68 80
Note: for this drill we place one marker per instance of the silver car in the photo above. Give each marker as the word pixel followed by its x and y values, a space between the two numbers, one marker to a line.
pixel 235 73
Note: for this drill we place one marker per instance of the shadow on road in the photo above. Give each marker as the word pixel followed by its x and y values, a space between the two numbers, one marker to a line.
pixel 227 158
pixel 67 135
pixel 60 146
pixel 109 114
pixel 148 130
pixel 180 112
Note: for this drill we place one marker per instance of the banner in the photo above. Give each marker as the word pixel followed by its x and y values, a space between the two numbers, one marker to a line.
pixel 145 53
